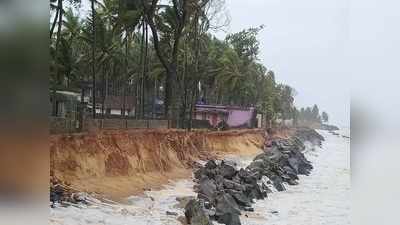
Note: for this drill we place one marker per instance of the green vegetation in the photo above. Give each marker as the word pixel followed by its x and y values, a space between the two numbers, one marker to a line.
pixel 325 117
pixel 153 49
pixel 311 115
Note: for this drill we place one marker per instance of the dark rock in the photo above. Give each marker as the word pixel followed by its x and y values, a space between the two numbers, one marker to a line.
pixel 207 205
pixel 255 192
pixel 227 170
pixel 56 193
pixel 277 182
pixel 207 189
pixel 171 213
pixel 228 184
pixel 257 165
pixel 229 219
pixel 294 163
pixel 236 178
pixel 265 188
pixel 79 198
pixel 198 174
pixel 292 182
pixel 226 204
pixel 247 176
pixel 240 197
pixel 219 182
pixel 291 173
pixel 211 164
pixel 248 209
pixel 262 156
pixel 329 127
pixel 304 170
pixel 195 213
pixel 210 212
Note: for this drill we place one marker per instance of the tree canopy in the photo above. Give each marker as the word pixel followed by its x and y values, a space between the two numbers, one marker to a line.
pixel 164 50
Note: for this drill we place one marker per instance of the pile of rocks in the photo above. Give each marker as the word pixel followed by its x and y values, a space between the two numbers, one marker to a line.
pixel 224 190
pixel 329 127
pixel 310 135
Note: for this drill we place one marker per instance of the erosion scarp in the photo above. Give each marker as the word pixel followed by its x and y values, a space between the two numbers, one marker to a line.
pixel 122 163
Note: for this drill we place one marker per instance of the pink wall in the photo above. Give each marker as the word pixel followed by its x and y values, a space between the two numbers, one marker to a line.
pixel 236 116
pixel 212 118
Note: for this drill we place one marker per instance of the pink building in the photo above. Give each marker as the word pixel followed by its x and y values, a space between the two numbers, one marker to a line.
pixel 234 116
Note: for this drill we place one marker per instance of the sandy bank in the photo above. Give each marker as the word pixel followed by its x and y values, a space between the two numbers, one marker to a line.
pixel 123 163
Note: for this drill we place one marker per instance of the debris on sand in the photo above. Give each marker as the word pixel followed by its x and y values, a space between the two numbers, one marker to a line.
pixel 63 194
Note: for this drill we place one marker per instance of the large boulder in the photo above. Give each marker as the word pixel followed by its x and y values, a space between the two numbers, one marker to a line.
pixel 241 199
pixel 254 191
pixel 227 210
pixel 229 219
pixel 227 169
pixel 248 176
pixel 229 184
pixel 265 189
pixel 210 165
pixel 294 163
pixel 207 189
pixel 278 183
pixel 291 173
pixel 196 214
pixel 257 165
pixel 225 203
pixel 199 173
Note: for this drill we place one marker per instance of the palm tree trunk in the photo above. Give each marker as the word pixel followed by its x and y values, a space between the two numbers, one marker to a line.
pixel 145 64
pixel 171 105
pixel 60 23
pixel 106 91
pixel 93 59
pixel 196 71
pixel 103 94
pixel 183 88
pixel 192 106
pixel 54 108
pixel 126 71
pixel 58 10
pixel 81 108
pixel 140 92
pixel 154 99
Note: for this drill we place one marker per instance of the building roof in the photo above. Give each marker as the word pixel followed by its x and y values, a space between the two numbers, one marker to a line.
pixel 216 111
pixel 221 107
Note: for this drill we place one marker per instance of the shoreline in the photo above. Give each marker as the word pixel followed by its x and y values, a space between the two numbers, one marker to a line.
pixel 152 206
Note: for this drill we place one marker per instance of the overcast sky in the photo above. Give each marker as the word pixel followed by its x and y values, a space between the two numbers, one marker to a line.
pixel 304 42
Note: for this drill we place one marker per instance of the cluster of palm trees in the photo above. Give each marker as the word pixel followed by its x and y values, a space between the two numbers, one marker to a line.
pixel 155 49
pixel 312 114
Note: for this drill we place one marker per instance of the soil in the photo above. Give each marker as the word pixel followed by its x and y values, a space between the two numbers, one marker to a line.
pixel 121 163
